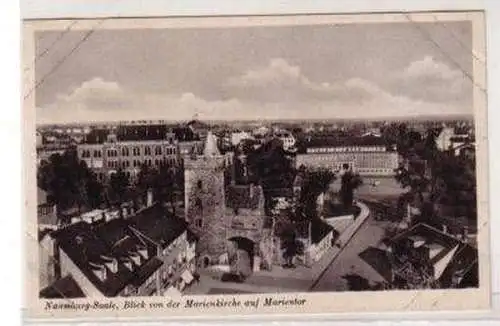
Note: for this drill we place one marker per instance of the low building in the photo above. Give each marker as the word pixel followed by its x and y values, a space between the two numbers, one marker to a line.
pixel 146 254
pixel 237 137
pixel 368 156
pixel 450 138
pixel 46 212
pixel 425 257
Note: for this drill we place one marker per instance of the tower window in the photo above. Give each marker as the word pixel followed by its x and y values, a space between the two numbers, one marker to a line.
pixel 198 203
pixel 199 184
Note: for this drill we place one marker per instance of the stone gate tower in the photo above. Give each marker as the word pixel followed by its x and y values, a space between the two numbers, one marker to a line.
pixel 205 201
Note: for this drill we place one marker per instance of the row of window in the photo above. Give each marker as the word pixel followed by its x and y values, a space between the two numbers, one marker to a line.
pixel 346 149
pixel 138 163
pixel 125 151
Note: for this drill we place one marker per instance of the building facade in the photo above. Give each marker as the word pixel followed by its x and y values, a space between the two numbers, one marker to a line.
pixel 367 156
pixel 130 147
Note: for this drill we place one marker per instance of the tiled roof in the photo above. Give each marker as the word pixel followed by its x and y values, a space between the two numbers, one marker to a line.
pixel 65 287
pixel 96 136
pixel 334 141
pixel 138 132
pixel 85 244
pixel 158 226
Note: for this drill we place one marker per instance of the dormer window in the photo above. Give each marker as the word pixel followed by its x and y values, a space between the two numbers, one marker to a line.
pixel 128 264
pixel 99 271
pixel 111 263
pixel 136 258
pixel 143 251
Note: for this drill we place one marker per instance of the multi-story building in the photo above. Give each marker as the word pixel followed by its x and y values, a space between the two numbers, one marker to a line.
pixel 130 147
pixel 365 155
pixel 146 254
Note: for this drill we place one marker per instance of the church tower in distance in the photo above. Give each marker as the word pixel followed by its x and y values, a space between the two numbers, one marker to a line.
pixel 205 201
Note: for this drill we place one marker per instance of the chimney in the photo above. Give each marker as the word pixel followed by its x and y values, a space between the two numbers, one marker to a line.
pixel 149 198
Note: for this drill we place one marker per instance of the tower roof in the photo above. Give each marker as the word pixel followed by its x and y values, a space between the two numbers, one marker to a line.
pixel 211 145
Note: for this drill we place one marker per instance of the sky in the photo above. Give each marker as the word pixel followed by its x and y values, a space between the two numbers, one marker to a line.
pixel 283 72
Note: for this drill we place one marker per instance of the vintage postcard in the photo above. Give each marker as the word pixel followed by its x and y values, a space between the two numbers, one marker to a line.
pixel 264 165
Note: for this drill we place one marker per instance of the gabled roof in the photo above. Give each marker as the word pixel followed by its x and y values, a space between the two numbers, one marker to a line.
pixel 86 244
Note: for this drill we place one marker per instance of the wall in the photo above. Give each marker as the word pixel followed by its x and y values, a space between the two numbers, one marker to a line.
pixel 211 213
pixel 316 251
pixel 46 262
pixel 68 267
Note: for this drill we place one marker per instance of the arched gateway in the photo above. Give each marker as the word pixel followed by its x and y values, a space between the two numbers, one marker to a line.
pixel 241 254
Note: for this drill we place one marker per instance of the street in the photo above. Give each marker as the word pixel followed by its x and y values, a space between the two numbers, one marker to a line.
pixel 349 265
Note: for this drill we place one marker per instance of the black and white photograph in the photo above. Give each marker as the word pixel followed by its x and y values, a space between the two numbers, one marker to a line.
pixel 256 159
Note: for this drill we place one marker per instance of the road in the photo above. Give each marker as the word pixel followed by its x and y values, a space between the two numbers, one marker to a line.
pixel 348 262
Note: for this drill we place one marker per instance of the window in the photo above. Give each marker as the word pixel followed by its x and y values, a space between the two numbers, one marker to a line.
pixel 125 151
pixel 199 223
pixel 97 153
pixel 158 150
pixel 199 203
pixel 147 150
pixel 136 151
pixel 199 184
pixel 157 163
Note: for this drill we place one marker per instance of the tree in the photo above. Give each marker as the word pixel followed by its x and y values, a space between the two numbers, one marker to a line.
pixel 68 182
pixel 166 187
pixel 350 182
pixel 146 179
pixel 291 245
pixel 94 191
pixel 315 182
pixel 441 183
pixel 272 165
pixel 118 189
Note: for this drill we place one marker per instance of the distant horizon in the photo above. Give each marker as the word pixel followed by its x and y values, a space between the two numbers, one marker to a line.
pixel 415 118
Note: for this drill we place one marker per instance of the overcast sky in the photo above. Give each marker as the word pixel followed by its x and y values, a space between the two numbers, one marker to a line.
pixel 318 72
